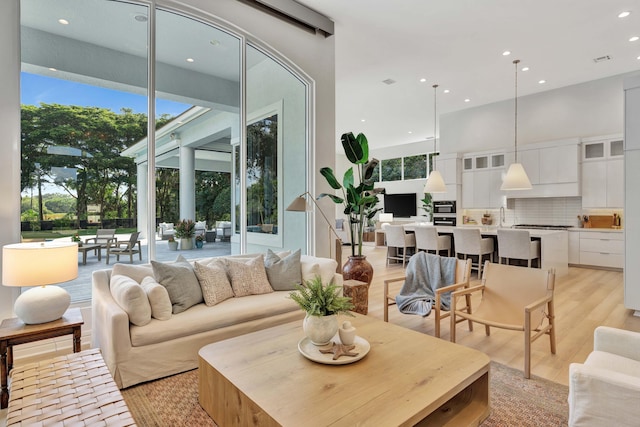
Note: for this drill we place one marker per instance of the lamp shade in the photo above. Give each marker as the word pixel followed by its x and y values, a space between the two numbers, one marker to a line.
pixel 36 264
pixel 299 204
pixel 516 178
pixel 435 183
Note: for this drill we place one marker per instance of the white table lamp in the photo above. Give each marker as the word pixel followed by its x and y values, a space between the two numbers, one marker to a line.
pixel 37 265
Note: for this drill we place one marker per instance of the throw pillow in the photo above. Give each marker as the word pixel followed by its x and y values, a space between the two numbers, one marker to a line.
pixel 327 266
pixel 248 278
pixel 283 272
pixel 181 283
pixel 309 270
pixel 158 298
pixel 214 282
pixel 131 298
pixel 136 272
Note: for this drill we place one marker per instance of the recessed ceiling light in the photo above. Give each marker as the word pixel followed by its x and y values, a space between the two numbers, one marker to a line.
pixel 525 68
pixel 638 57
pixel 141 18
pixel 542 81
pixel 467 100
pixel 634 38
pixel 422 80
pixel 190 60
pixel 506 53
pixel 624 14
pixel 63 21
pixel 446 91
pixel 363 120
pixel 52 69
pixel 410 132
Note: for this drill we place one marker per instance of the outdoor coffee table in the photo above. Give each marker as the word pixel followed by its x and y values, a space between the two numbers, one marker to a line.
pixel 407 378
pixel 85 248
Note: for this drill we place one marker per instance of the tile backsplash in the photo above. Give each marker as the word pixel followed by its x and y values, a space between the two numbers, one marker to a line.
pixel 551 211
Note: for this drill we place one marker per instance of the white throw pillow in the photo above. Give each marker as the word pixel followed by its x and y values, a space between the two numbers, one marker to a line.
pixel 327 266
pixel 309 270
pixel 136 272
pixel 213 281
pixel 132 298
pixel 158 298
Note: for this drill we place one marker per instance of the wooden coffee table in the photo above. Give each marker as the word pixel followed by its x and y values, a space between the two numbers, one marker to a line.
pixel 86 248
pixel 407 378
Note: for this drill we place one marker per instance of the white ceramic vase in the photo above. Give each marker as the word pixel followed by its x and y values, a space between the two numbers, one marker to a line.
pixel 320 329
pixel 186 243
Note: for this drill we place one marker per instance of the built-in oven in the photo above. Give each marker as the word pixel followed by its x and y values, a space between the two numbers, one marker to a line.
pixel 444 213
pixel 443 207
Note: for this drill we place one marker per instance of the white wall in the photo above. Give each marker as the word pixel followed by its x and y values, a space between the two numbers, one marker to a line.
pixel 588 109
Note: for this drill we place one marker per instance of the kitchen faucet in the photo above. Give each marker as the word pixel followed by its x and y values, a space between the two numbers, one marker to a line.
pixel 502 219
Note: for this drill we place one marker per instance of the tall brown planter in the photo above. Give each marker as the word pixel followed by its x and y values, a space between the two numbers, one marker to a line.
pixel 358 268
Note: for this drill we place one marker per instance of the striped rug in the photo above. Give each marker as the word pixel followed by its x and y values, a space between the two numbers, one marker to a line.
pixel 515 401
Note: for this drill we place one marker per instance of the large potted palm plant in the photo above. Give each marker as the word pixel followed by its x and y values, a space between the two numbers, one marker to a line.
pixel 359 200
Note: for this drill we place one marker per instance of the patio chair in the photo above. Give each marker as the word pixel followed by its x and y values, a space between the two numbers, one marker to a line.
pixel 514 298
pixel 125 248
pixel 104 236
pixel 200 228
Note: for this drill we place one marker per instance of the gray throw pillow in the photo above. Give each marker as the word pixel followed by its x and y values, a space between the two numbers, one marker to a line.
pixel 283 273
pixel 181 283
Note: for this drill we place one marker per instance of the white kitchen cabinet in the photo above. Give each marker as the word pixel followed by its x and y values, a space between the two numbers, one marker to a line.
pixel 631 220
pixel 559 164
pixel 574 247
pixel 602 249
pixel 530 160
pixel 481 180
pixel 603 173
pixel 449 168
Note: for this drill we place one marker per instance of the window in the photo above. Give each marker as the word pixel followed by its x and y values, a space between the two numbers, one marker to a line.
pixel 391 169
pixel 415 167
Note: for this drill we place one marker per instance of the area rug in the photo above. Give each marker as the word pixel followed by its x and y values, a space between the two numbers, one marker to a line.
pixel 515 401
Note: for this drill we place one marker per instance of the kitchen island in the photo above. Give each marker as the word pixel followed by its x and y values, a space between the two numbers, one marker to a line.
pixel 554 244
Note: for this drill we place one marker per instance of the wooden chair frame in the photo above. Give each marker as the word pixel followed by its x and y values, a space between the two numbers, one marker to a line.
pixel 127 247
pixel 462 277
pixel 531 332
pixel 104 236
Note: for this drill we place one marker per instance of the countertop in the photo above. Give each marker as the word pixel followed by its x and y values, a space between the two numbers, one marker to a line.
pixel 600 230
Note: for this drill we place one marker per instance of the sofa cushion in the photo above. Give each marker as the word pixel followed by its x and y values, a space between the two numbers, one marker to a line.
pixel 158 298
pixel 248 278
pixel 213 281
pixel 136 272
pixel 201 319
pixel 326 266
pixel 283 272
pixel 613 362
pixel 131 298
pixel 181 283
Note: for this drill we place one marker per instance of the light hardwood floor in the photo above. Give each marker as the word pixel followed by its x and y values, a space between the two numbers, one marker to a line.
pixel 584 299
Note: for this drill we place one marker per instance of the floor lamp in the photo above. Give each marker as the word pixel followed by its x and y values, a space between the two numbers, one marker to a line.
pixel 299 204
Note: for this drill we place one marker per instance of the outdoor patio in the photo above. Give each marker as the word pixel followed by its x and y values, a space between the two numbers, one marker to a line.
pixel 80 288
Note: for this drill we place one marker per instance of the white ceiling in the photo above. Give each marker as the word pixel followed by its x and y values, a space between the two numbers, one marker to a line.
pixel 458 44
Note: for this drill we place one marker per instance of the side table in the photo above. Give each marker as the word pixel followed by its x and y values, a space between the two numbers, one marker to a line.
pixel 14 332
pixel 359 293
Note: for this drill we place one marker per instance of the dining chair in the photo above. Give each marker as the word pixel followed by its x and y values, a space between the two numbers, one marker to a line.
pixel 517 244
pixel 427 239
pixel 400 245
pixel 469 242
pixel 513 298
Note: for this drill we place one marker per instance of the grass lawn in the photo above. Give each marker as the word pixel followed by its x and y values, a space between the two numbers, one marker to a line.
pixel 56 234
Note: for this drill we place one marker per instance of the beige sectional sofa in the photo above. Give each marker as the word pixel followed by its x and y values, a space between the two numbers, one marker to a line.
pixel 136 353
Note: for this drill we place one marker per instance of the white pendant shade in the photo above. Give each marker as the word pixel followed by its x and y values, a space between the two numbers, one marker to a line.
pixel 435 183
pixel 516 178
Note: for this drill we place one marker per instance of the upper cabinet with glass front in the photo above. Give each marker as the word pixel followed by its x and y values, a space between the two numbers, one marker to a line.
pixel 603 172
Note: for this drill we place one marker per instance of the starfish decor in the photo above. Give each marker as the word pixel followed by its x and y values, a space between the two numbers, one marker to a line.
pixel 339 350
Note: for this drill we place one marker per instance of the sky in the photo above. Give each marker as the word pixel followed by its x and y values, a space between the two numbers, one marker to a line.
pixel 37 89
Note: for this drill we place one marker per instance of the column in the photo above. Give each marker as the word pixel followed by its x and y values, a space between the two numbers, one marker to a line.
pixel 187 182
pixel 141 186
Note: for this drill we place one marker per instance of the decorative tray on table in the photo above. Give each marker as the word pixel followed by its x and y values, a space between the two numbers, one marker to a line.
pixel 313 352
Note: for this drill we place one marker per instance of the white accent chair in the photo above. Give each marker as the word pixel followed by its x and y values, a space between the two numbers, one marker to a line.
pixel 400 245
pixel 517 244
pixel 166 230
pixel 200 228
pixel 469 242
pixel 427 239
pixel 605 389
pixel 223 230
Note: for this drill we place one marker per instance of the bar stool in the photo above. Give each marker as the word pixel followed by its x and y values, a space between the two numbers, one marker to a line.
pixel 399 243
pixel 427 239
pixel 470 242
pixel 517 244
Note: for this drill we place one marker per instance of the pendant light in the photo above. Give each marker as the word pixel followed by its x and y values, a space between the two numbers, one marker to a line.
pixel 516 178
pixel 435 183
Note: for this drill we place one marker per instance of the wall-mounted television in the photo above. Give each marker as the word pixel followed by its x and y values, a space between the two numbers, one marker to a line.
pixel 403 205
